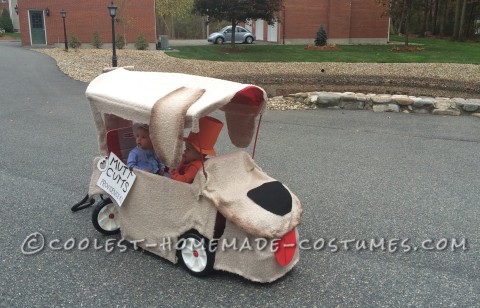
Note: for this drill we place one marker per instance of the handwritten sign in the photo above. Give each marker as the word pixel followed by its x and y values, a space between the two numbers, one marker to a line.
pixel 116 178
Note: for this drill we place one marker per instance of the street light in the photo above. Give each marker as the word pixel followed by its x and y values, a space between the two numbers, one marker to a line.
pixel 16 9
pixel 64 14
pixel 112 9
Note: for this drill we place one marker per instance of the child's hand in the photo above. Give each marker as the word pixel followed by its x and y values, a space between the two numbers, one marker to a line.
pixel 161 171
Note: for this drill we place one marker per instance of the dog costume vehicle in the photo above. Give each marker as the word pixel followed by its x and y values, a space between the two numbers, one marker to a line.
pixel 250 217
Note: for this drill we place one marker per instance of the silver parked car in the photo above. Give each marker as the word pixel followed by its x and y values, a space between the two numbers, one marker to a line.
pixel 242 35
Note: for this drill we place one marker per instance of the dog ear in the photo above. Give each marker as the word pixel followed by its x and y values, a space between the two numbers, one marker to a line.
pixel 167 121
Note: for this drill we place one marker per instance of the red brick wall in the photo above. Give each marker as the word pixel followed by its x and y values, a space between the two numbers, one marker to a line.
pixel 84 17
pixel 367 20
pixel 303 17
pixel 4 6
pixel 341 19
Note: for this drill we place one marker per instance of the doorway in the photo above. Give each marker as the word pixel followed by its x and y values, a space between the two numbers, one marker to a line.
pixel 37 28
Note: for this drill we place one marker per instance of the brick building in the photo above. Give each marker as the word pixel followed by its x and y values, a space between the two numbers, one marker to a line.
pixel 41 22
pixel 346 22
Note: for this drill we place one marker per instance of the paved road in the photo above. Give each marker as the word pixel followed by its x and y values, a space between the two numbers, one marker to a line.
pixel 360 175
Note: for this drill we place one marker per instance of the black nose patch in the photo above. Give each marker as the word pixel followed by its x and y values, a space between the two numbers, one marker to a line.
pixel 273 197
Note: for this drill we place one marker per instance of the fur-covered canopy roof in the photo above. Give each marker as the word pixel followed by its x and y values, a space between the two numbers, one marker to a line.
pixel 170 102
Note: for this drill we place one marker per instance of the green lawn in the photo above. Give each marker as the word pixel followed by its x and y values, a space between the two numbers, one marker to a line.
pixel 15 35
pixel 435 50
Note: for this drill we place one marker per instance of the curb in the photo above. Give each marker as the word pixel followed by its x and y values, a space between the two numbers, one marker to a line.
pixel 377 102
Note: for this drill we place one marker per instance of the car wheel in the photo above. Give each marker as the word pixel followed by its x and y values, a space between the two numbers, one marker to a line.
pixel 249 40
pixel 105 217
pixel 219 41
pixel 194 254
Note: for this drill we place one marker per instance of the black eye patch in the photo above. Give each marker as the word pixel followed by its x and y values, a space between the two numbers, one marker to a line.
pixel 273 197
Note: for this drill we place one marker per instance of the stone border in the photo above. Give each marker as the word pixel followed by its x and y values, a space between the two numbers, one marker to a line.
pixel 378 103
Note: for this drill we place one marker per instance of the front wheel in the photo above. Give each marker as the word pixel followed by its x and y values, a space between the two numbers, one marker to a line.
pixel 219 41
pixel 105 218
pixel 249 40
pixel 194 254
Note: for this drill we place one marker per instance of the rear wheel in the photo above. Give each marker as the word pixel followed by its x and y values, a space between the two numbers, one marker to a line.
pixel 249 40
pixel 194 254
pixel 105 218
pixel 219 40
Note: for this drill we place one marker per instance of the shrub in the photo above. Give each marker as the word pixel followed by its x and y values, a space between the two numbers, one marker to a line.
pixel 120 41
pixel 6 21
pixel 141 42
pixel 2 32
pixel 74 42
pixel 321 38
pixel 96 41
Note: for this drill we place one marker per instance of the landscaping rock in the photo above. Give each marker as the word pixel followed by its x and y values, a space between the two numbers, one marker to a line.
pixel 471 105
pixel 328 99
pixel 423 102
pixel 449 112
pixel 386 108
pixel 402 100
pixel 381 99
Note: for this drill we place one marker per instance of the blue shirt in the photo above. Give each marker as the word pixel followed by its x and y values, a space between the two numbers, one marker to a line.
pixel 144 160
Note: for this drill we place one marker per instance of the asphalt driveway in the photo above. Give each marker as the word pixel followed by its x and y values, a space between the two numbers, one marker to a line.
pixel 363 177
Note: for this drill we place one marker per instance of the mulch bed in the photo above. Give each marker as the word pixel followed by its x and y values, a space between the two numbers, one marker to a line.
pixel 408 48
pixel 6 38
pixel 327 47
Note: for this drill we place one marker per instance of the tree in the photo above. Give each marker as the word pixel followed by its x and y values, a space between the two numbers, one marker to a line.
pixel 443 17
pixel 456 25
pixel 170 9
pixel 237 11
pixel 124 19
pixel 6 21
pixel 321 39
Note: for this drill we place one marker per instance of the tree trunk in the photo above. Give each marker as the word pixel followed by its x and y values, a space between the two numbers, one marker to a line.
pixel 444 18
pixel 461 28
pixel 456 24
pixel 408 5
pixel 402 18
pixel 430 16
pixel 435 16
pixel 234 25
pixel 471 19
pixel 166 24
pixel 425 21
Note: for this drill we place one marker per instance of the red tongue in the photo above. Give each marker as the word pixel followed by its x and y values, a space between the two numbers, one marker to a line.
pixel 286 248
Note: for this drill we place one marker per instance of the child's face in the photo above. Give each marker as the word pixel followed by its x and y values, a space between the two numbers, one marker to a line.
pixel 143 139
pixel 190 153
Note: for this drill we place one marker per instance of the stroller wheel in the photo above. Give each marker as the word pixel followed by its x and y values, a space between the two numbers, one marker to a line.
pixel 105 217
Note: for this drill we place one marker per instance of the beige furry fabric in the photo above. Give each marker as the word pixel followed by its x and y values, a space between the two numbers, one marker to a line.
pixel 158 210
pixel 253 262
pixel 131 95
pixel 167 122
pixel 229 178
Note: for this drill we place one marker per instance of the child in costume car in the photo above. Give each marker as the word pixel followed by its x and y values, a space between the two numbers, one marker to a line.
pixel 197 147
pixel 143 156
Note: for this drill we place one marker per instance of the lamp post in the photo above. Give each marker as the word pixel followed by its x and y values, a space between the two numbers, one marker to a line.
pixel 112 9
pixel 64 14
